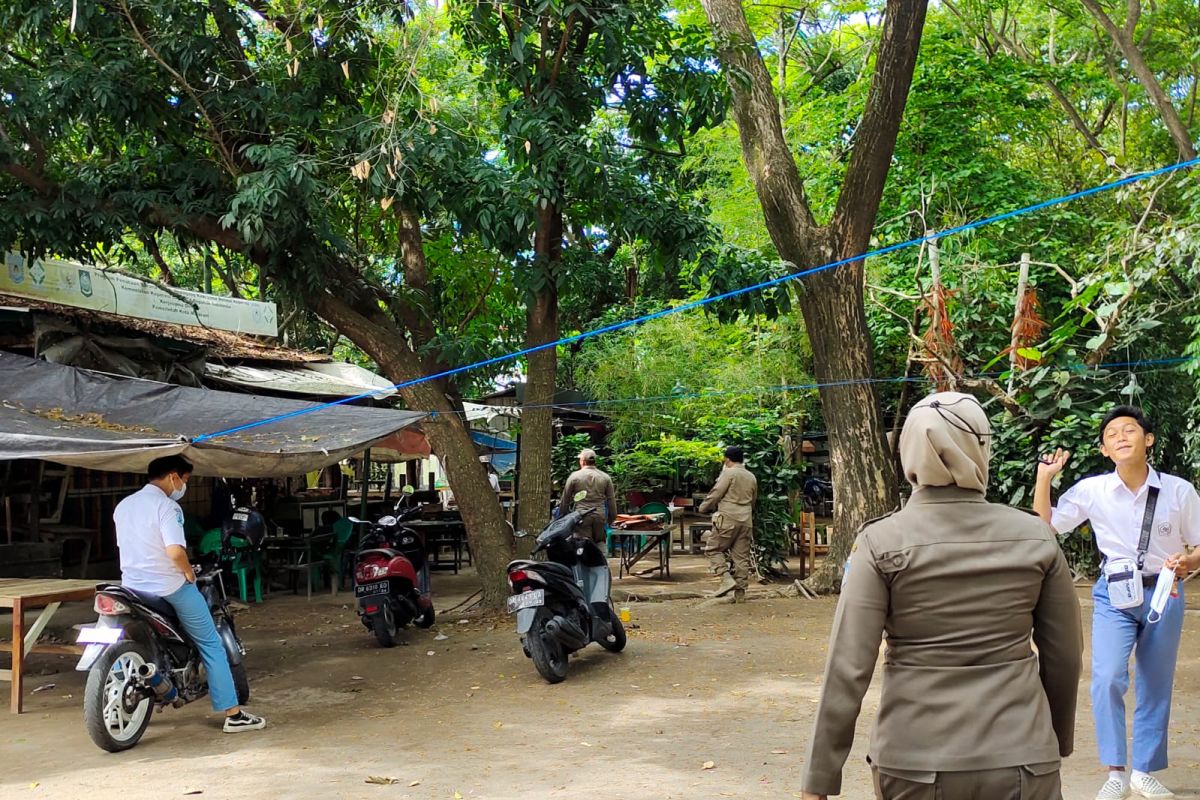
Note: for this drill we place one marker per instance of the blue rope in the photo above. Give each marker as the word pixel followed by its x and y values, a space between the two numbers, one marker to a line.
pixel 618 326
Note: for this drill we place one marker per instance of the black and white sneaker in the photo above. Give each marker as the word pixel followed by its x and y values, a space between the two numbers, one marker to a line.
pixel 242 721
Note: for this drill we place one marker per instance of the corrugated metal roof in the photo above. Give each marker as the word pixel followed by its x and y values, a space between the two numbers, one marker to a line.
pixel 221 344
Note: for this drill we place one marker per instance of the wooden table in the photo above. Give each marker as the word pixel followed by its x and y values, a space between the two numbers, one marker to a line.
pixel 439 533
pixel 21 595
pixel 631 550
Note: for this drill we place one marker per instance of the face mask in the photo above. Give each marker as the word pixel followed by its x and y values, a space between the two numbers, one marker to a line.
pixel 177 494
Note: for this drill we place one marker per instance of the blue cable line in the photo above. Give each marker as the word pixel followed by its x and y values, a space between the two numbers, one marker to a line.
pixel 1129 179
pixel 802 387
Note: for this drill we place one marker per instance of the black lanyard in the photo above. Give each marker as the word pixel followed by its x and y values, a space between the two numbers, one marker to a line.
pixel 1147 524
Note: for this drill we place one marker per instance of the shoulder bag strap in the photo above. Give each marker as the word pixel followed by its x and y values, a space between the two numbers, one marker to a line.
pixel 1147 524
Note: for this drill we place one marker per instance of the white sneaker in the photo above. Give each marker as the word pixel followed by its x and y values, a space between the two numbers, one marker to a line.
pixel 242 721
pixel 1149 787
pixel 1113 789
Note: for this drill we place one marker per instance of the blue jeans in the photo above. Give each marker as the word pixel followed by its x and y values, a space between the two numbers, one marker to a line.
pixel 1115 635
pixel 192 610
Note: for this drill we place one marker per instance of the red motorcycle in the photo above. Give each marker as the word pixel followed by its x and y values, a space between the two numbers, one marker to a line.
pixel 391 578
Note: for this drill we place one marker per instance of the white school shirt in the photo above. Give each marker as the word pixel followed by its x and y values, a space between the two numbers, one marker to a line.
pixel 1115 514
pixel 148 521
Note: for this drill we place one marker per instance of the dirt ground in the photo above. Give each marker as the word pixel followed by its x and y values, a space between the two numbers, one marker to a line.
pixel 466 716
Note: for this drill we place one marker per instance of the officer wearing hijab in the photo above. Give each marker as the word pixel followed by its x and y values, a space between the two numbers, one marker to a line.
pixel 954 586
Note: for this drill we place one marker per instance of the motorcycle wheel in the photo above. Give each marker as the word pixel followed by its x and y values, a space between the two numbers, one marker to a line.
pixel 114 712
pixel 618 634
pixel 241 683
pixel 384 627
pixel 549 657
pixel 426 619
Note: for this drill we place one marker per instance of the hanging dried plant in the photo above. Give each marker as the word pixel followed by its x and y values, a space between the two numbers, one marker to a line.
pixel 1027 329
pixel 945 364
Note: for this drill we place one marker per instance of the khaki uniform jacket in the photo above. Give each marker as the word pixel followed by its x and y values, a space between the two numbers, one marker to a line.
pixel 957 585
pixel 733 495
pixel 599 488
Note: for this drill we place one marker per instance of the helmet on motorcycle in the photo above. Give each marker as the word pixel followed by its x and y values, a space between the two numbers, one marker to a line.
pixel 245 523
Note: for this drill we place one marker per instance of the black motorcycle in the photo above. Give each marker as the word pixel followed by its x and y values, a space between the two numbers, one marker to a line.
pixel 563 603
pixel 138 656
pixel 391 577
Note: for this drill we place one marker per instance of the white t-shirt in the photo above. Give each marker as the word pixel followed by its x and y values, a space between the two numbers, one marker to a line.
pixel 148 521
pixel 1115 514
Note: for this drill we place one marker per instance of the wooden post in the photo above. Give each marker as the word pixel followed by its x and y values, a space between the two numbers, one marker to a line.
pixel 1022 285
pixel 366 483
pixel 18 654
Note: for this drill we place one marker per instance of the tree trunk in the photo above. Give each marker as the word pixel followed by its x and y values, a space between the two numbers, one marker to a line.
pixel 832 301
pixel 487 532
pixel 863 476
pixel 537 416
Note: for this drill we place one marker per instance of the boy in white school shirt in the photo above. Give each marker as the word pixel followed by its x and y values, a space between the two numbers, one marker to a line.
pixel 1115 504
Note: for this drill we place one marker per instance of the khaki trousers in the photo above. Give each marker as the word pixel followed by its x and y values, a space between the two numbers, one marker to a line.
pixel 728 544
pixel 592 527
pixel 1034 782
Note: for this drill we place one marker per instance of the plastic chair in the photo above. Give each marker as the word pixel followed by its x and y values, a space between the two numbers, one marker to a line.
pixel 241 565
pixel 343 530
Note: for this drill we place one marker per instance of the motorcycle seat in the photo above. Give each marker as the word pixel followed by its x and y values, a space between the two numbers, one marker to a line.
pixel 155 603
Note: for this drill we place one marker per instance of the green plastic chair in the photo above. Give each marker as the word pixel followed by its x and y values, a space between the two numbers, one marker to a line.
pixel 343 530
pixel 242 565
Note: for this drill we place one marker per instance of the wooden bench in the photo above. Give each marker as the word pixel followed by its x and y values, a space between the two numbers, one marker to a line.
pixel 23 595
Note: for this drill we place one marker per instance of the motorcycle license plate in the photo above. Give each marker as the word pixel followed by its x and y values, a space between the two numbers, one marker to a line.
pixel 99 635
pixel 526 600
pixel 370 589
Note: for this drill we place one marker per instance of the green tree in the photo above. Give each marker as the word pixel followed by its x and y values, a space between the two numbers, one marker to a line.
pixel 595 102
pixel 299 140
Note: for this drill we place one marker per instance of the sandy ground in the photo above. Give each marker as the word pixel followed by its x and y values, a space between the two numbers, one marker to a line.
pixel 468 717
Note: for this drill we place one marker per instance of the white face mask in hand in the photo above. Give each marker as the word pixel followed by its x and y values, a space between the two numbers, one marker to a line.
pixel 1162 594
pixel 177 494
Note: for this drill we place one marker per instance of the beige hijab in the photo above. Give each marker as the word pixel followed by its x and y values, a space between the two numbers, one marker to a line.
pixel 946 442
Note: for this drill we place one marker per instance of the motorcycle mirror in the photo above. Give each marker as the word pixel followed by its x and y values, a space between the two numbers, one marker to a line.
pixel 358 521
pixel 580 496
pixel 520 534
pixel 408 489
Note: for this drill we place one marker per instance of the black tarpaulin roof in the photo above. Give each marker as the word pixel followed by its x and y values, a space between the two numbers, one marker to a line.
pixel 86 419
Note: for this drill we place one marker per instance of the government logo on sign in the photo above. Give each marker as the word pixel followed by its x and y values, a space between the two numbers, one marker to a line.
pixel 85 283
pixel 16 268
pixel 38 273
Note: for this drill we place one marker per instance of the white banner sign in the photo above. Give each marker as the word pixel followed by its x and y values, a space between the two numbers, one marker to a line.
pixel 85 286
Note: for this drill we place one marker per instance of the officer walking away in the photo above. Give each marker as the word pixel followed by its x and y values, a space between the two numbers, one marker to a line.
pixel 1141 519
pixel 728 543
pixel 956 584
pixel 601 498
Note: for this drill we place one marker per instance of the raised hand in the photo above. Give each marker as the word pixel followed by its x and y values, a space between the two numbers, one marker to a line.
pixel 1050 464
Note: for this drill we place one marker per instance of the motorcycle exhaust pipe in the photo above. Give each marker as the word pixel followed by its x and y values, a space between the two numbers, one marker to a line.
pixel 567 633
pixel 164 690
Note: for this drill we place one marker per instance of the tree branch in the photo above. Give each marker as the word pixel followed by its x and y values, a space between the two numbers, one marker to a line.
pixel 1123 39
pixel 875 139
pixel 756 110
pixel 215 133
pixel 151 244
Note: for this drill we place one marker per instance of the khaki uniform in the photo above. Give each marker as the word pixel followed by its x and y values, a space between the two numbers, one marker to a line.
pixel 729 541
pixel 601 500
pixel 954 586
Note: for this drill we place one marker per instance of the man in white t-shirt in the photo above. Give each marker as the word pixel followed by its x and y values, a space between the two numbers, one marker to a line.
pixel 154 560
pixel 1115 506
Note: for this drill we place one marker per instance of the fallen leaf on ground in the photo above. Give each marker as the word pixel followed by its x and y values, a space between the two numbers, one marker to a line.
pixel 379 780
pixel 779 752
pixel 708 765
pixel 414 783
